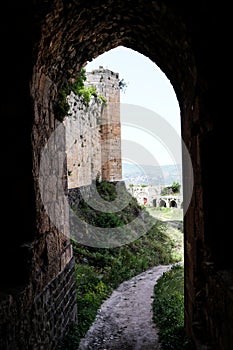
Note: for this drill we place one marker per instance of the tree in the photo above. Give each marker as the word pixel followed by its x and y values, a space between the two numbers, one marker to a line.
pixel 122 85
pixel 175 187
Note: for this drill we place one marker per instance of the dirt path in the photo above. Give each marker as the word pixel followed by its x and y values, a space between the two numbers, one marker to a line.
pixel 124 321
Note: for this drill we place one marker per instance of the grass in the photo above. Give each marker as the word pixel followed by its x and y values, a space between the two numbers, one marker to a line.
pixel 168 310
pixel 166 214
pixel 100 270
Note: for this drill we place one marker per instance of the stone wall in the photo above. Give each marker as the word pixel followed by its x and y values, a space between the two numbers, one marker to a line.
pixel 42 324
pixel 107 85
pixel 93 132
pixel 150 195
pixel 83 141
pixel 140 192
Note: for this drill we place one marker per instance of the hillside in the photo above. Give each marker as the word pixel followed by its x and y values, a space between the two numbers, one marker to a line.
pixel 151 175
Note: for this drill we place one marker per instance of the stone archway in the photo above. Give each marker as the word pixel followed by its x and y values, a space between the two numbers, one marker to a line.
pixel 69 41
pixel 162 203
pixel 173 204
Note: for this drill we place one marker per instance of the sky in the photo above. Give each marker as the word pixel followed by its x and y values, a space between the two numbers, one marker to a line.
pixel 148 87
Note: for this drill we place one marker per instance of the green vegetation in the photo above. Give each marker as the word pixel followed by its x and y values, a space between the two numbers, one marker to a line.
pixel 173 189
pixel 166 214
pixel 122 85
pixel 100 270
pixel 97 218
pixel 62 107
pixel 103 99
pixel 168 310
pixel 81 90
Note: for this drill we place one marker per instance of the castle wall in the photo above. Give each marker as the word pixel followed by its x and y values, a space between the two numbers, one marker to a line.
pixel 107 85
pixel 93 132
pixel 83 141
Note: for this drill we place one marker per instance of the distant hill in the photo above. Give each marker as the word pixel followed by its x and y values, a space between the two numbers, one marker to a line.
pixel 163 175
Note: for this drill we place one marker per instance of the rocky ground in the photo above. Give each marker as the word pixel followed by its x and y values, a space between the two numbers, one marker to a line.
pixel 124 321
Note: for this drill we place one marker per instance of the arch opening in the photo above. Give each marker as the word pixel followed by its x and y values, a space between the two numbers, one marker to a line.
pixel 56 67
pixel 162 203
pixel 173 204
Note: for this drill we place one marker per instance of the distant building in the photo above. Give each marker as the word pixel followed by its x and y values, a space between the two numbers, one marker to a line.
pixel 150 195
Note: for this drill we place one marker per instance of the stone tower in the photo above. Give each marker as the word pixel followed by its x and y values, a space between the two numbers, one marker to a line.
pixel 93 132
pixel 107 85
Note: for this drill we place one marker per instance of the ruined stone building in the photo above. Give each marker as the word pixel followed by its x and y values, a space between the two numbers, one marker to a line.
pixel 44 45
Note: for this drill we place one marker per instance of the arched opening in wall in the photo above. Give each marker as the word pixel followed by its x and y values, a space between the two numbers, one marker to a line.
pixel 173 204
pixel 104 142
pixel 150 130
pixel 66 66
pixel 121 136
pixel 147 155
pixel 162 203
